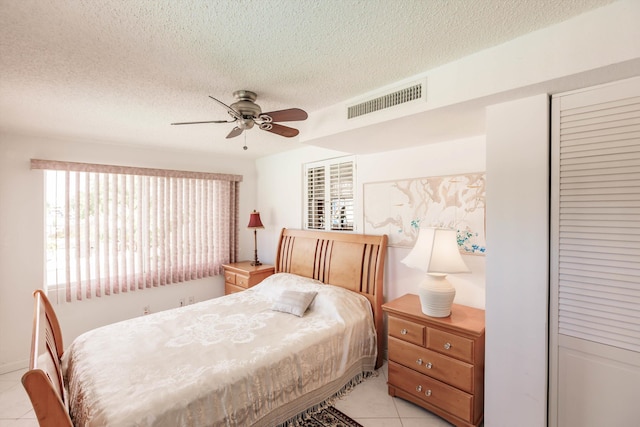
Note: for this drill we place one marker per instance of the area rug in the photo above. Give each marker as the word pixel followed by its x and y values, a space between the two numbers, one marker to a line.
pixel 330 417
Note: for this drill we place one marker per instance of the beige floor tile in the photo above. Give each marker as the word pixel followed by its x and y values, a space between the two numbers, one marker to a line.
pixel 380 422
pixel 409 410
pixel 425 422
pixel 14 402
pixel 369 400
pixel 19 423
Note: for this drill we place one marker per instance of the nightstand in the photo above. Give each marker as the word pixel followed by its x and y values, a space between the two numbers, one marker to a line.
pixel 239 276
pixel 437 363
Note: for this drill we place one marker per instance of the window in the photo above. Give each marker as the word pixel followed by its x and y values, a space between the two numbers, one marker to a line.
pixel 329 195
pixel 113 229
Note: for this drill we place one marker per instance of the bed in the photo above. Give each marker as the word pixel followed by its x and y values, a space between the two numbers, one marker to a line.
pixel 261 357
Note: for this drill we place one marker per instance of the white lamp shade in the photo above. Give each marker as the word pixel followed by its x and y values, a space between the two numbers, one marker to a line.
pixel 436 252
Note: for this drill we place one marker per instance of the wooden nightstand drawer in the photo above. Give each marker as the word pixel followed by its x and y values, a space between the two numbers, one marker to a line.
pixel 239 276
pixel 406 330
pixel 431 391
pixel 230 288
pixel 449 344
pixel 242 281
pixel 451 371
pixel 230 277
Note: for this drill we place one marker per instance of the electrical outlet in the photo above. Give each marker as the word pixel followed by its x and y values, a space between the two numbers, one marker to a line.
pixel 192 299
pixel 146 309
pixel 181 302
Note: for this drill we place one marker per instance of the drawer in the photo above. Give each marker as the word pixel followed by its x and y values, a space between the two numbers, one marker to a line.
pixel 230 277
pixel 230 288
pixel 450 344
pixel 242 281
pixel 406 330
pixel 451 371
pixel 432 391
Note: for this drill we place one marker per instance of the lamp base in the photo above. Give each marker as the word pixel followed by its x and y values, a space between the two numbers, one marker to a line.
pixel 255 262
pixel 436 296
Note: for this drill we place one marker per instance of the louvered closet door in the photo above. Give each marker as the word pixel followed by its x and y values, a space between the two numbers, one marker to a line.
pixel 595 275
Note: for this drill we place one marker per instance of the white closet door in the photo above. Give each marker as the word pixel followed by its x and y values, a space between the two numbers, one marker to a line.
pixel 595 249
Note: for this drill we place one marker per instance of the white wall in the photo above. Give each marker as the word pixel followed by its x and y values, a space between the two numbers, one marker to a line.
pixel 603 37
pixel 517 263
pixel 22 238
pixel 280 199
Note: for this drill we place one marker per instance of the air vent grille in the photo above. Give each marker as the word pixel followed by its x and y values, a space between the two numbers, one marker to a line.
pixel 389 100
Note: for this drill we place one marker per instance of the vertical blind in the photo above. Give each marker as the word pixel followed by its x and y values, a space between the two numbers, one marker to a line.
pixel 599 224
pixel 114 229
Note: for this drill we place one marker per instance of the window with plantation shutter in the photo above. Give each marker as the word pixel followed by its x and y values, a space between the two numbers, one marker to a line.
pixel 329 195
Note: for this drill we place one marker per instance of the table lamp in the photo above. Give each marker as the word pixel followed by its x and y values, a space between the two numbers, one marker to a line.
pixel 254 224
pixel 436 252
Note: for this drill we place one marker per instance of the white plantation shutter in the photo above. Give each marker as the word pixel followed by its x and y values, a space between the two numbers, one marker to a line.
pixel 599 220
pixel 315 198
pixel 329 195
pixel 341 195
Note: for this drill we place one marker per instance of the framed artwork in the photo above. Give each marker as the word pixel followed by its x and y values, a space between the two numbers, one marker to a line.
pixel 399 208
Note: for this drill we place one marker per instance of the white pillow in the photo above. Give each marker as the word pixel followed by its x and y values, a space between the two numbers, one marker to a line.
pixel 273 285
pixel 294 302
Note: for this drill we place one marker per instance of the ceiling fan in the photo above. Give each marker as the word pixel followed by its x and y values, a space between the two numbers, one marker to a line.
pixel 245 112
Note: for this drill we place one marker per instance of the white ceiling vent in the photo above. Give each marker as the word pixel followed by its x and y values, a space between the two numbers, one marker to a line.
pixel 401 96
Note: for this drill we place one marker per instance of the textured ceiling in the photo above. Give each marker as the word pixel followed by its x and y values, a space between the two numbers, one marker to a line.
pixel 122 70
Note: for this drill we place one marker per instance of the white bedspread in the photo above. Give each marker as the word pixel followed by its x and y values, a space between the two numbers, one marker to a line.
pixel 230 361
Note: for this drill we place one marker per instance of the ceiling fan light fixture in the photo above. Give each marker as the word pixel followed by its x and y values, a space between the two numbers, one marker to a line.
pixel 245 123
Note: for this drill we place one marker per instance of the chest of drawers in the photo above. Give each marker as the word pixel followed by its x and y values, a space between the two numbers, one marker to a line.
pixel 437 363
pixel 239 276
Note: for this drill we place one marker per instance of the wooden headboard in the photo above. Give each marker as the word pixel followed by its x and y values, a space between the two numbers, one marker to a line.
pixel 351 261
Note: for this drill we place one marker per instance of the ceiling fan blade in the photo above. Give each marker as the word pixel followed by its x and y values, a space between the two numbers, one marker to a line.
pixel 230 110
pixel 289 115
pixel 234 132
pixel 209 121
pixel 281 130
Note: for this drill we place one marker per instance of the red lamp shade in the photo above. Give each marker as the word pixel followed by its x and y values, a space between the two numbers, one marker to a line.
pixel 254 220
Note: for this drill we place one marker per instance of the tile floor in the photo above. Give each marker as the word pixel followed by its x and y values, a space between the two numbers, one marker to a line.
pixel 368 403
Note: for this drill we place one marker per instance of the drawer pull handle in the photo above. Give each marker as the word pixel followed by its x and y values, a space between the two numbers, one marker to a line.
pixel 419 362
pixel 447 346
pixel 429 365
pixel 427 393
pixel 419 388
pixel 404 331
